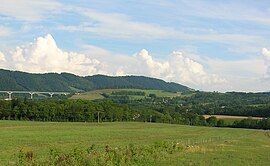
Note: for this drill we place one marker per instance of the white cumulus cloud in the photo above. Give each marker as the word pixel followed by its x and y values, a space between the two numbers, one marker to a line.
pixel 2 57
pixel 177 68
pixel 266 56
pixel 2 60
pixel 44 56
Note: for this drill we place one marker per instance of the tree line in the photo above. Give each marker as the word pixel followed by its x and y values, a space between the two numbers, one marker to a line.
pixel 108 111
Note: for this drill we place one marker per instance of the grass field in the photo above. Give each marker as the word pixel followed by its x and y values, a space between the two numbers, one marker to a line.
pixel 199 145
pixel 96 94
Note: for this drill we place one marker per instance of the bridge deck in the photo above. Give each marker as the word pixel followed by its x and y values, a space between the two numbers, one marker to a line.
pixel 35 92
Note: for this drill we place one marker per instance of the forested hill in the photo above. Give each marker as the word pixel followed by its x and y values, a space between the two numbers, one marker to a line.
pixel 15 80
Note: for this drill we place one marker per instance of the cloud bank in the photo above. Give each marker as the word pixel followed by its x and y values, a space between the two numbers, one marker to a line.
pixel 4 31
pixel 121 26
pixel 43 55
pixel 26 10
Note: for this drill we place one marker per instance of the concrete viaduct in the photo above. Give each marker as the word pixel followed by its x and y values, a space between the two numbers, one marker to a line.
pixel 31 93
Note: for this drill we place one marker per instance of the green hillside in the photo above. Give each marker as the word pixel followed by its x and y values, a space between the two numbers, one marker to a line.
pixel 15 80
pixel 64 143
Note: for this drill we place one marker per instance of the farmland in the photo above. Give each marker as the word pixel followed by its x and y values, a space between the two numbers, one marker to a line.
pixel 231 117
pixel 98 94
pixel 197 145
pixel 229 120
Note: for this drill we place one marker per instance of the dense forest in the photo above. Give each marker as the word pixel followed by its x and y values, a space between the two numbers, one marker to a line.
pixel 15 80
pixel 109 111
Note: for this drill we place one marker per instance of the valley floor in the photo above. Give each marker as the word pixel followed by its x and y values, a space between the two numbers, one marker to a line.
pixel 198 145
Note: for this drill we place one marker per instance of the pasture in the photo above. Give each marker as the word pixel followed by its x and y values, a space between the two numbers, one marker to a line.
pixel 153 143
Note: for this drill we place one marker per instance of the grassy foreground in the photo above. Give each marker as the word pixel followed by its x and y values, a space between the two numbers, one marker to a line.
pixel 176 144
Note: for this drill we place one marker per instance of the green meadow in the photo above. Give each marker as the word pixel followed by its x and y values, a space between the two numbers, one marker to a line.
pixel 129 143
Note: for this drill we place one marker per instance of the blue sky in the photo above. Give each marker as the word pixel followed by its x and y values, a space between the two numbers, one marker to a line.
pixel 229 40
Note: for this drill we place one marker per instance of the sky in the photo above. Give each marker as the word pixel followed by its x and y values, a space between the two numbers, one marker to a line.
pixel 204 44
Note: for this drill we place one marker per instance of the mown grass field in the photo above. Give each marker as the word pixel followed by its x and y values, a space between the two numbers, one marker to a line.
pixel 96 94
pixel 230 119
pixel 199 145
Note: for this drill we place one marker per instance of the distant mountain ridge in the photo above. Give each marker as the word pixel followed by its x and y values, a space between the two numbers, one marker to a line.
pixel 16 80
